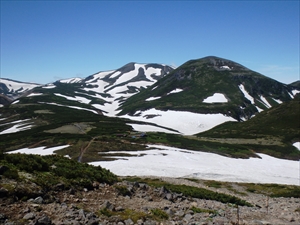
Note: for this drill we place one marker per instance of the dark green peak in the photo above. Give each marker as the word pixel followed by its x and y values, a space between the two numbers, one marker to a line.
pixel 219 64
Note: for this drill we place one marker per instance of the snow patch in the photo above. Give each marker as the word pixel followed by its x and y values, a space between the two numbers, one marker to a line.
pixel 71 80
pixel 177 90
pixel 19 125
pixel 39 150
pixel 49 86
pixel 152 98
pixel 34 94
pixel 259 109
pixel 297 145
pixel 265 102
pixel 176 162
pixel 15 102
pixel 225 67
pixel 277 100
pixel 295 92
pixel 187 123
pixel 19 87
pixel 150 128
pixel 76 98
pixel 216 98
pixel 246 94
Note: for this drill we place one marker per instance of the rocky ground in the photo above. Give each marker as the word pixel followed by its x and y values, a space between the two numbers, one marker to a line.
pixel 140 203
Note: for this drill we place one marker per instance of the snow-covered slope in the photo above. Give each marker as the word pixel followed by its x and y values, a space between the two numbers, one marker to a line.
pixel 11 89
pixel 8 86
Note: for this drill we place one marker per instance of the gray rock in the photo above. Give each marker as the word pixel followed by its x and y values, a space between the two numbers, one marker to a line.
pixel 119 209
pixel 187 218
pixel 29 216
pixel 107 205
pixel 128 222
pixel 45 220
pixel 149 222
pixel 179 213
pixel 169 196
pixel 3 169
pixel 81 214
pixel 38 200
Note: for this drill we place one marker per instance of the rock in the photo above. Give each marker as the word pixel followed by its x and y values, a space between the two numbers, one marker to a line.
pixel 128 222
pixel 29 216
pixel 180 213
pixel 2 217
pixel 81 214
pixel 45 220
pixel 169 196
pixel 149 222
pixel 170 212
pixel 3 192
pixel 119 209
pixel 38 200
pixel 107 205
pixel 187 218
pixel 140 222
pixel 3 169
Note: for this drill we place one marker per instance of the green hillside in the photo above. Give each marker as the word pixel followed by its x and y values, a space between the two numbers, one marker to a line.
pixel 204 77
pixel 274 130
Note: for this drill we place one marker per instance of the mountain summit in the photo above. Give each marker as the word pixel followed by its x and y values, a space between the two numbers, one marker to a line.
pixel 211 85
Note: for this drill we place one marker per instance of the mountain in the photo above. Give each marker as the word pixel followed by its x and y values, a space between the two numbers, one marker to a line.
pixel 11 89
pixel 276 128
pixel 296 84
pixel 111 110
pixel 212 85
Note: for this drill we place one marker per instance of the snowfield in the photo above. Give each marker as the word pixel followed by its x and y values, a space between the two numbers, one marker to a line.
pixel 187 123
pixel 175 162
pixel 216 98
pixel 39 150
pixel 246 94
pixel 19 125
pixel 15 86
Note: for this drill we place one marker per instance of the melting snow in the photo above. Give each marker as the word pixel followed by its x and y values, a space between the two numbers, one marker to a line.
pixel 49 86
pixel 15 102
pixel 70 106
pixel 175 162
pixel 20 125
pixel 259 109
pixel 152 98
pixel 39 150
pixel 295 92
pixel 246 94
pixel 150 128
pixel 71 80
pixel 18 86
pixel 34 94
pixel 76 98
pixel 216 98
pixel 277 100
pixel 225 67
pixel 187 123
pixel 177 90
pixel 297 145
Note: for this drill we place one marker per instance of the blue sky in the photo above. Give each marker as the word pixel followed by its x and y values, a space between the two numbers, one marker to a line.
pixel 43 41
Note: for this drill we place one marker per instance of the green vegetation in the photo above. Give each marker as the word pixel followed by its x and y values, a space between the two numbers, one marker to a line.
pixel 160 214
pixel 134 215
pixel 194 192
pixel 51 170
pixel 199 210
pixel 280 124
pixel 273 190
